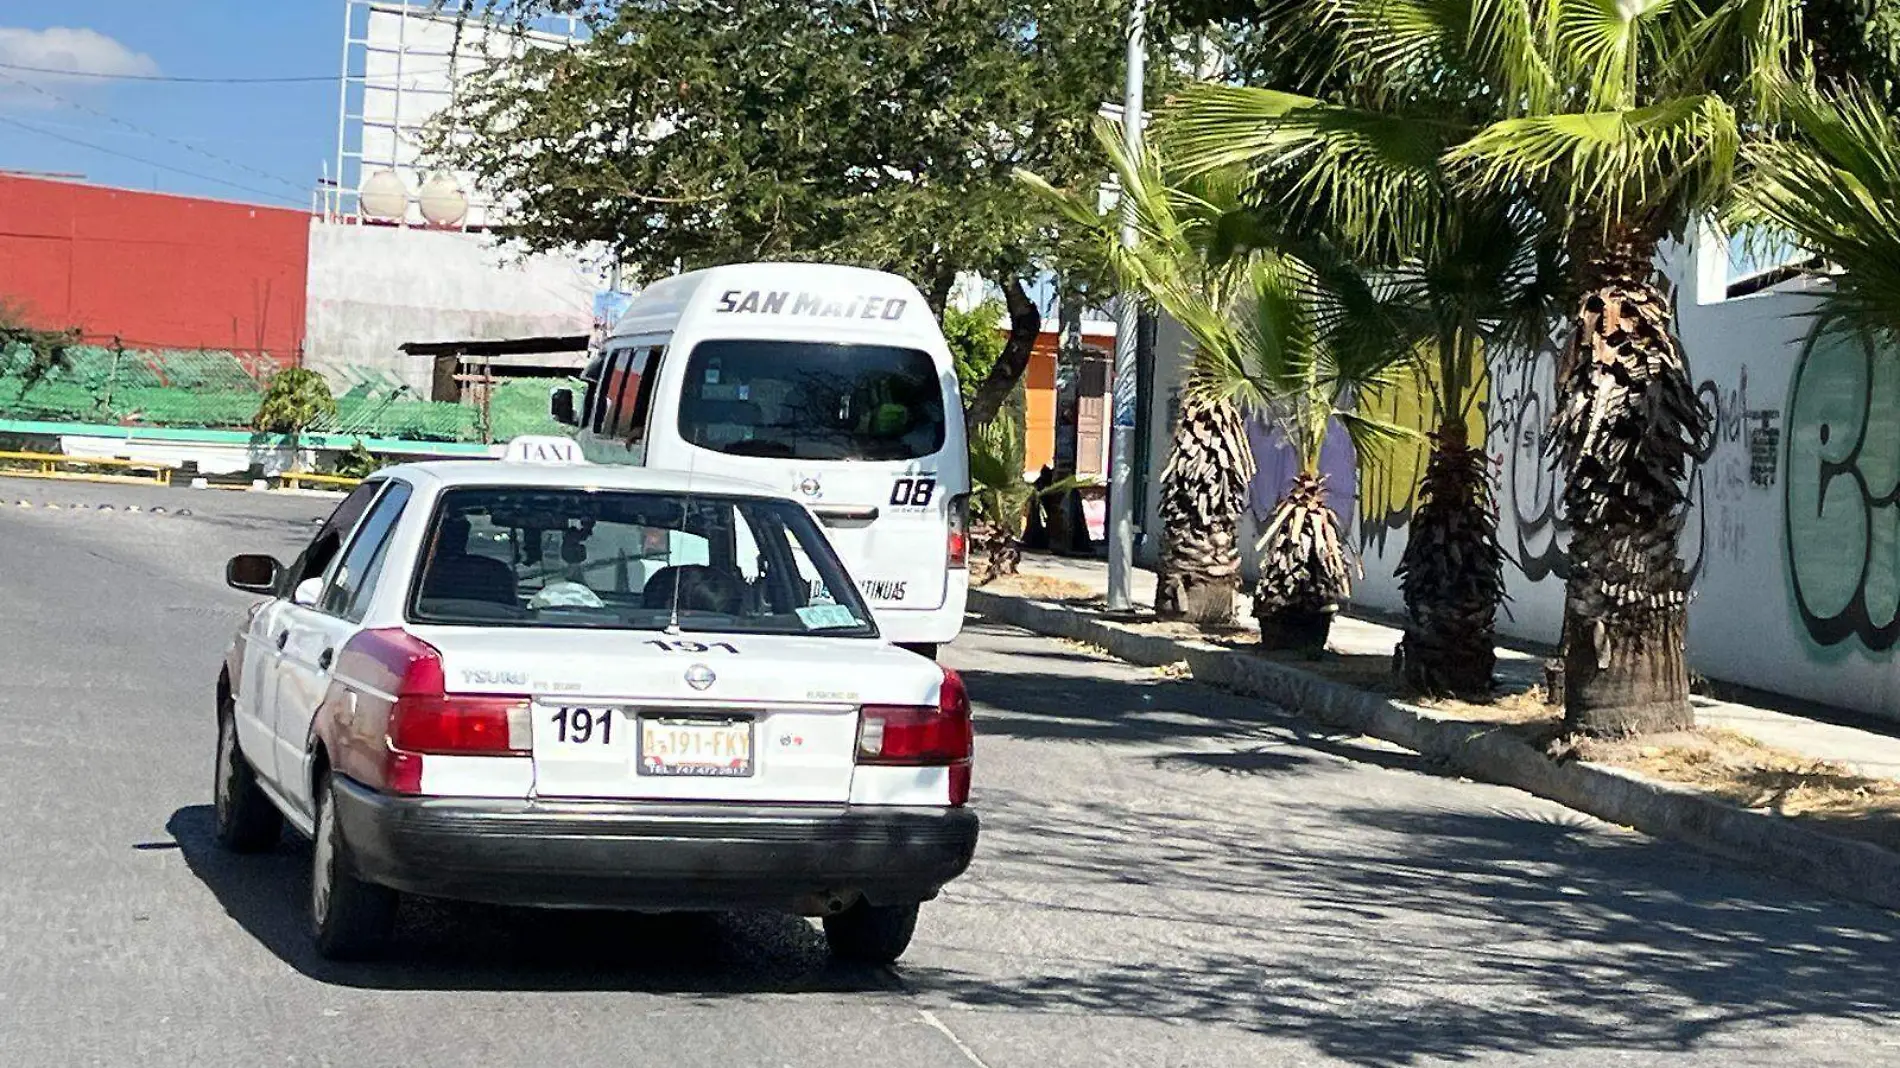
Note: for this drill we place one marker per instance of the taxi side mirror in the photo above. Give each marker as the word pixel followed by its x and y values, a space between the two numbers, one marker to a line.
pixel 561 406
pixel 253 573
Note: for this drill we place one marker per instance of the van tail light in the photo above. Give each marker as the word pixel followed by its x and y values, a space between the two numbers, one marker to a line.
pixel 923 735
pixel 424 718
pixel 958 548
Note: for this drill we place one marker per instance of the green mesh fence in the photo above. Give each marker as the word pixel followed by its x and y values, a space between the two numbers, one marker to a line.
pixel 221 391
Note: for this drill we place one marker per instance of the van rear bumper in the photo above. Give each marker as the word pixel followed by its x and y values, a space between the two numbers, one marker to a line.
pixel 653 855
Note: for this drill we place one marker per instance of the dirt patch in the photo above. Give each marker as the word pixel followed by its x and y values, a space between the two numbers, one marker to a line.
pixel 1529 706
pixel 1748 774
pixel 1034 587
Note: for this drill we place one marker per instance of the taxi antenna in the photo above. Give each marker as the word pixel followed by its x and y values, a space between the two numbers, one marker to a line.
pixel 673 624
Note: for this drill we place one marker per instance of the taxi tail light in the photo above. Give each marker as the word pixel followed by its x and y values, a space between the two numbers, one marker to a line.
pixel 940 735
pixel 957 547
pixel 424 718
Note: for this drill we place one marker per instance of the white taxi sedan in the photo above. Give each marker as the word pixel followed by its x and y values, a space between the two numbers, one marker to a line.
pixel 582 686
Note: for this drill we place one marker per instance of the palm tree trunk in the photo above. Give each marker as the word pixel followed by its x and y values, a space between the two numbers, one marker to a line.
pixel 1452 572
pixel 1627 425
pixel 1304 569
pixel 1203 489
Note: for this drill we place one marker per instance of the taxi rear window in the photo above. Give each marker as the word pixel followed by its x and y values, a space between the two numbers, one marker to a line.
pixel 623 560
pixel 807 400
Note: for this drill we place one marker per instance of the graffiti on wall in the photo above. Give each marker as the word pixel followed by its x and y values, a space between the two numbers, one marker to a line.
pixel 1741 456
pixel 1841 491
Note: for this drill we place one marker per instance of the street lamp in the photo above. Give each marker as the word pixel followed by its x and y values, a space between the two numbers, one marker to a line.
pixel 1121 485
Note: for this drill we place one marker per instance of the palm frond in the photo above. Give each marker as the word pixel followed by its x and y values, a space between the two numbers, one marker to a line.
pixel 1372 175
pixel 1836 186
pixel 1615 165
pixel 1603 46
pixel 1757 46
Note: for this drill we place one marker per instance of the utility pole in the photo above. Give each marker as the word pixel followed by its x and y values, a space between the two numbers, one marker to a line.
pixel 1121 484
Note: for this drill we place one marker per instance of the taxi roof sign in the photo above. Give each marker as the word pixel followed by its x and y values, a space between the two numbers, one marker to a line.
pixel 543 449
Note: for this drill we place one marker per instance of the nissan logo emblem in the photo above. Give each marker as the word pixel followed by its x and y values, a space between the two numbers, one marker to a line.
pixel 699 676
pixel 809 486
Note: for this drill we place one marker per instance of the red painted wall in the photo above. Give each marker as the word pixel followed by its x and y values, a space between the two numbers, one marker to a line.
pixel 160 271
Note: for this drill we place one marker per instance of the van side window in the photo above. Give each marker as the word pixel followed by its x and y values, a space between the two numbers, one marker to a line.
pixel 636 428
pixel 630 368
pixel 613 390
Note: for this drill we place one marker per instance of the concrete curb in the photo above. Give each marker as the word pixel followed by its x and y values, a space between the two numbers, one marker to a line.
pixel 1784 847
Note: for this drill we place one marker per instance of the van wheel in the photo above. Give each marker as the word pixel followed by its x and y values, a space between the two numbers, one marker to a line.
pixel 247 822
pixel 349 919
pixel 927 650
pixel 871 934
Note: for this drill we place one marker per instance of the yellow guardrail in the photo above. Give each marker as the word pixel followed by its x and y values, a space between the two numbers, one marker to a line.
pixel 48 464
pixel 296 479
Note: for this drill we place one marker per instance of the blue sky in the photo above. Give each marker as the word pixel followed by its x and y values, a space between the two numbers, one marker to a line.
pixel 269 139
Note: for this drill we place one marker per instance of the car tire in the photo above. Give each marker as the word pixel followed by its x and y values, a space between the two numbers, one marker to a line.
pixel 350 919
pixel 927 650
pixel 247 821
pixel 871 934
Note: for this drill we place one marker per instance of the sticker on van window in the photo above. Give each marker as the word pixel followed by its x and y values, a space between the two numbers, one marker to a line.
pixel 817 305
pixel 826 616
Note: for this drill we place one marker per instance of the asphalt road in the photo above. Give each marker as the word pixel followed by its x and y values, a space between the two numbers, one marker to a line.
pixel 1168 876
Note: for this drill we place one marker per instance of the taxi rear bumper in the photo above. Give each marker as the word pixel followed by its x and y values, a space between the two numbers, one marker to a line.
pixel 803 858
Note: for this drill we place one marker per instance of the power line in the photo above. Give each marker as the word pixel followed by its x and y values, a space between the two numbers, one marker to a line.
pixel 279 197
pixel 170 78
pixel 186 145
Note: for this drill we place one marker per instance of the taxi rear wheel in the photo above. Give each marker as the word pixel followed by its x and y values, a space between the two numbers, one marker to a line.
pixel 247 822
pixel 871 934
pixel 350 919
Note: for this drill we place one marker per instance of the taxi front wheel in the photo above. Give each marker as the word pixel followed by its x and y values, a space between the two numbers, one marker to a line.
pixel 349 919
pixel 871 934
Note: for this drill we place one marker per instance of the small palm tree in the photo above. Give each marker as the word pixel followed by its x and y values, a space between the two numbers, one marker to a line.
pixel 1282 325
pixel 1619 122
pixel 1486 278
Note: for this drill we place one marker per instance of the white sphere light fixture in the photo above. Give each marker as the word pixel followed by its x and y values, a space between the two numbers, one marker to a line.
pixel 383 196
pixel 442 199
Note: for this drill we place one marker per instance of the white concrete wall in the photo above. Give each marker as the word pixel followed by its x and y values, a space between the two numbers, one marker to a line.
pixel 1797 562
pixel 372 288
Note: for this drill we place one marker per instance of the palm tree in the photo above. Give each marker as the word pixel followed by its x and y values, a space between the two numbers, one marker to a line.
pixel 1192 245
pixel 1283 325
pixel 1619 122
pixel 1485 279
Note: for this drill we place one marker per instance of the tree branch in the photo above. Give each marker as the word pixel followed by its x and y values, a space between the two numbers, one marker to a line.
pixel 1025 323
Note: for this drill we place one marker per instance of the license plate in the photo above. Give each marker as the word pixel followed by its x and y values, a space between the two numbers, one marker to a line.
pixel 711 748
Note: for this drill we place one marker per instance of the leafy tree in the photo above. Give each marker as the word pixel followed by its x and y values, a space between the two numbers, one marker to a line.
pixel 295 400
pixel 687 133
pixel 1619 122
pixel 974 343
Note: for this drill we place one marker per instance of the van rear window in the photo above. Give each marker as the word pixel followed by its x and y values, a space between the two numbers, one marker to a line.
pixel 803 400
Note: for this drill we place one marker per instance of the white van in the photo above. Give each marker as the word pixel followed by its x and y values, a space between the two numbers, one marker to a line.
pixel 833 383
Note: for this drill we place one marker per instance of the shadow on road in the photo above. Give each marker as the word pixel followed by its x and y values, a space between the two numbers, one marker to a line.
pixel 1376 937
pixel 454 946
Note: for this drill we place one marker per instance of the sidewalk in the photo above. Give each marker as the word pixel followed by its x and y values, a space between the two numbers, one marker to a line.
pixel 1868 752
pixel 1812 801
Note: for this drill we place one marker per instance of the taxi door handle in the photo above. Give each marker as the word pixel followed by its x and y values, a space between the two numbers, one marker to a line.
pixel 283 637
pixel 324 658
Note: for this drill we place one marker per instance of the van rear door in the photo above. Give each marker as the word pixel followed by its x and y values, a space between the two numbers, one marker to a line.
pixel 859 432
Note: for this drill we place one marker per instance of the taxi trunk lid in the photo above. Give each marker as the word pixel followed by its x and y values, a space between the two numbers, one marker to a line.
pixel 714 717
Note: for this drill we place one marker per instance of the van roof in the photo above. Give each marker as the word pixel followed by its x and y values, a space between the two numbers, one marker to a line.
pixel 786 298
